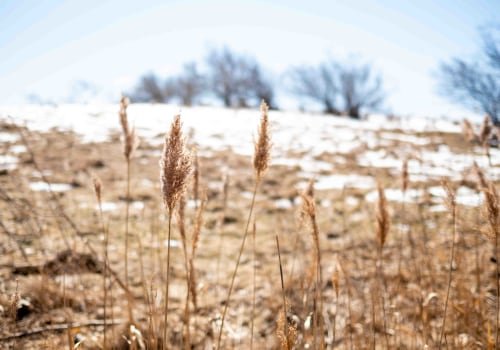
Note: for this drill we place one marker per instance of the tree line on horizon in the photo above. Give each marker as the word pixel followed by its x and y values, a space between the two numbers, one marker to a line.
pixel 339 88
pixel 239 81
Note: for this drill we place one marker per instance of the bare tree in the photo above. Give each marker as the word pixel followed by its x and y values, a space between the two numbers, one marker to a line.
pixel 237 80
pixel 151 89
pixel 189 86
pixel 476 84
pixel 492 46
pixel 318 84
pixel 360 88
pixel 340 89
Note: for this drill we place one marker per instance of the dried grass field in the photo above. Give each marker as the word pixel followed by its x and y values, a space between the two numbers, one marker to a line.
pixel 387 230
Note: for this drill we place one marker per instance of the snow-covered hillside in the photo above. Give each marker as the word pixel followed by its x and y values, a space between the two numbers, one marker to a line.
pixel 299 139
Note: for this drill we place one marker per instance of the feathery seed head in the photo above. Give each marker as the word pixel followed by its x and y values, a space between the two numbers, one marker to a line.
pixel 485 132
pixel 308 209
pixel 335 281
pixel 131 140
pixel 286 341
pixel 404 175
pixel 97 188
pixel 482 182
pixel 263 145
pixel 175 165
pixel 450 196
pixel 491 203
pixel 492 208
pixel 309 190
pixel 383 221
pixel 196 173
pixel 468 130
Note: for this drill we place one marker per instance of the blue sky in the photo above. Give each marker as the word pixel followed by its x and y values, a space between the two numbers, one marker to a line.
pixel 47 45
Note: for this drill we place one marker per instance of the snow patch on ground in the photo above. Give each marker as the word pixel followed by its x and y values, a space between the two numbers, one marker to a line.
pixel 338 182
pixel 8 162
pixel 41 186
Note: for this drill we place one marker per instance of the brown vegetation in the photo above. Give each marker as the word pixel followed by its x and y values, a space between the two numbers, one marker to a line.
pixel 337 276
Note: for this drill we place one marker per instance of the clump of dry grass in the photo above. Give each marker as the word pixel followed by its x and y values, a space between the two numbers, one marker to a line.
pixel 175 168
pixel 44 295
pixel 415 318
pixel 13 303
pixel 492 213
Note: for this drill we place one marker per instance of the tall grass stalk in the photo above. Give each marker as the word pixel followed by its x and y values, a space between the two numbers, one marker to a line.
pixel 220 225
pixel 452 208
pixel 98 193
pixel 192 283
pixel 492 213
pixel 181 220
pixel 336 286
pixel 484 137
pixel 175 168
pixel 262 150
pixel 69 336
pixel 130 145
pixel 254 268
pixel 382 229
pixel 285 319
pixel 309 211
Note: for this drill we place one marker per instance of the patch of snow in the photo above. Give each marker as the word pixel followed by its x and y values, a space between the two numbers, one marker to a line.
pixel 338 182
pixel 8 137
pixel 283 203
pixel 464 195
pixel 378 159
pixel 8 162
pixel 438 208
pixel 421 141
pixel 46 172
pixel 107 206
pixel 173 243
pixel 17 149
pixel 247 194
pixel 191 203
pixel 138 205
pixel 396 195
pixel 306 164
pixel 45 187
pixel 325 203
pixel 352 201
